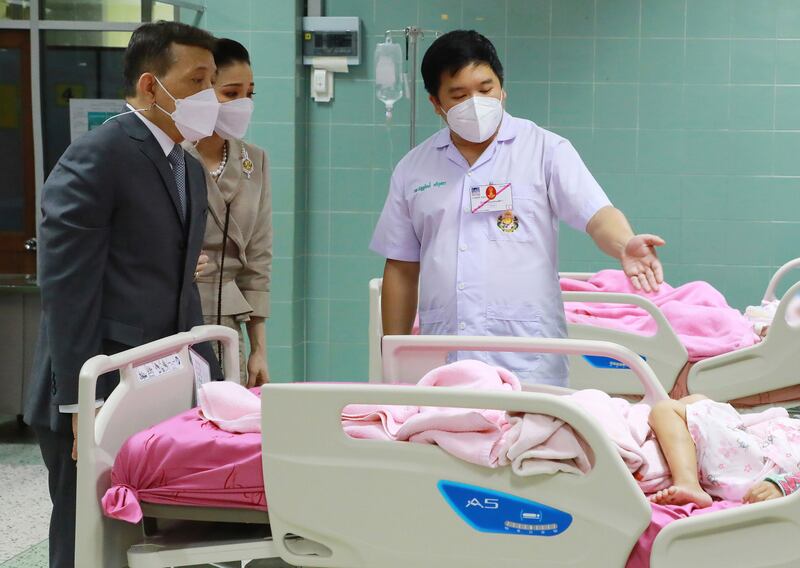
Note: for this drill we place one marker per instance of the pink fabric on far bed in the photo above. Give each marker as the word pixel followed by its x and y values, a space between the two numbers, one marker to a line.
pixel 698 313
pixel 186 460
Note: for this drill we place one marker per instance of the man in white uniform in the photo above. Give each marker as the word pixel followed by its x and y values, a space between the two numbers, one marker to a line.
pixel 470 225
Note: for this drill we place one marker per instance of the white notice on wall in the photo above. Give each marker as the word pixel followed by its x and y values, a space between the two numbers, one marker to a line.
pixel 87 114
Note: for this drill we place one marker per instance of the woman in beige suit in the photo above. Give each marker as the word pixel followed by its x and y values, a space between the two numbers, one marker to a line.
pixel 239 200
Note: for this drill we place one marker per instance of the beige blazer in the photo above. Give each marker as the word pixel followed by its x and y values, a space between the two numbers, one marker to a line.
pixel 248 257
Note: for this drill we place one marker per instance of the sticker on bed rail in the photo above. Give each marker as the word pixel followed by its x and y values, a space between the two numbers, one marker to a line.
pixel 158 367
pixel 607 362
pixel 490 511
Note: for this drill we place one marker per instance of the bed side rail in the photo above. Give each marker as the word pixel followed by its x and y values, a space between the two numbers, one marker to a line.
pixel 406 358
pixel 364 501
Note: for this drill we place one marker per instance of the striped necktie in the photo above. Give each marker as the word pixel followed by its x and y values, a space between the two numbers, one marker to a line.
pixel 176 159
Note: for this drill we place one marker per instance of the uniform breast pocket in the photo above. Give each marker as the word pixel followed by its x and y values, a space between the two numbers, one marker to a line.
pixel 515 320
pixel 432 322
pixel 516 225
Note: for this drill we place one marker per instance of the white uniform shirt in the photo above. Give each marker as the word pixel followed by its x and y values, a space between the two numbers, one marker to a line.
pixel 488 273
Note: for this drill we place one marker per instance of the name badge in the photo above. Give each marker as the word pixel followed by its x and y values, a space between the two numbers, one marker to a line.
pixel 492 197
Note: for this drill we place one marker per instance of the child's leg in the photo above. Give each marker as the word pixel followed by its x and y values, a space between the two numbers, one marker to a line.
pixel 668 421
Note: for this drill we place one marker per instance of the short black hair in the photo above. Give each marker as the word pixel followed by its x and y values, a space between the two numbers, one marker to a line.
pixel 150 49
pixel 228 51
pixel 452 52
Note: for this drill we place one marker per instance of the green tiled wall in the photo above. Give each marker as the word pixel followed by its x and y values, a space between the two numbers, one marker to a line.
pixel 687 112
pixel 268 28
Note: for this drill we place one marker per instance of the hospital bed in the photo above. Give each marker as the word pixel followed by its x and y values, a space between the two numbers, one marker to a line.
pixel 157 381
pixel 397 509
pixel 340 502
pixel 765 367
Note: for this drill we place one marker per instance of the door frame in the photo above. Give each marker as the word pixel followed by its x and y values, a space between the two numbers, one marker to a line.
pixel 32 28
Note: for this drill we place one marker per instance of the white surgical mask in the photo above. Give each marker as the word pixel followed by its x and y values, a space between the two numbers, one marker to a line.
pixel 476 119
pixel 234 118
pixel 196 116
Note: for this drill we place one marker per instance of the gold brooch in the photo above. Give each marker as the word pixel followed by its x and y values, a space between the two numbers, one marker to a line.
pixel 247 163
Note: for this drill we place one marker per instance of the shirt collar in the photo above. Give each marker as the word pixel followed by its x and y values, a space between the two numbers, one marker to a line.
pixel 508 131
pixel 166 143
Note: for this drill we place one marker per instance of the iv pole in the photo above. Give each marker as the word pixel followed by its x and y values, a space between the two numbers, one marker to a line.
pixel 412 35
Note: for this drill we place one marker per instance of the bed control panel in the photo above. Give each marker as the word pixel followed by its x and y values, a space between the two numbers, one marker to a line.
pixel 600 362
pixel 490 511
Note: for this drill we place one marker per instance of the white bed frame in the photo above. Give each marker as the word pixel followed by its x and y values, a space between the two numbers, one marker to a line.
pixel 766 366
pixel 772 364
pixel 134 406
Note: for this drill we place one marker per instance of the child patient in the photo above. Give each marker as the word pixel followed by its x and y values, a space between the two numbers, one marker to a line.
pixel 713 451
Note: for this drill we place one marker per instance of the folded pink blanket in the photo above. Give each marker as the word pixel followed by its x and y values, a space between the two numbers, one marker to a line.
pixel 532 444
pixel 537 444
pixel 699 315
pixel 230 406
pixel 469 434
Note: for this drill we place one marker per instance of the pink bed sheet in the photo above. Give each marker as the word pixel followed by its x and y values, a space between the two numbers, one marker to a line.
pixel 662 516
pixel 186 460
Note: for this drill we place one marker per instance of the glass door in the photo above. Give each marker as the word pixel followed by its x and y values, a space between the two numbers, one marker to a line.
pixel 17 190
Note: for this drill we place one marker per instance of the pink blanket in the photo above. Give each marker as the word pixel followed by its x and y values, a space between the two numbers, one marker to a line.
pixel 699 315
pixel 469 434
pixel 231 406
pixel 537 444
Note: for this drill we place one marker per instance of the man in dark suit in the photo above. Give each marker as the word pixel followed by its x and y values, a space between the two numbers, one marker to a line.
pixel 123 218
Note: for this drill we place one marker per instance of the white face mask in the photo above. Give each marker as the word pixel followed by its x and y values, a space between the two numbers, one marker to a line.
pixel 476 119
pixel 195 116
pixel 234 118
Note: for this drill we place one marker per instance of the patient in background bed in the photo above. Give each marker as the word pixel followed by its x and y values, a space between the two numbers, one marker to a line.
pixel 713 451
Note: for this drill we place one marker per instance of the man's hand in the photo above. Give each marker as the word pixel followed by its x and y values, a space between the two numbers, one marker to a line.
pixel 202 262
pixel 763 491
pixel 257 372
pixel 75 437
pixel 640 262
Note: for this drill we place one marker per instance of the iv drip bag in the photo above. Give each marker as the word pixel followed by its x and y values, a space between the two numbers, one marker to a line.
pixel 388 74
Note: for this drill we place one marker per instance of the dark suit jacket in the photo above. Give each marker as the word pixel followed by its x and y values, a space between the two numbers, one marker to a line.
pixel 115 260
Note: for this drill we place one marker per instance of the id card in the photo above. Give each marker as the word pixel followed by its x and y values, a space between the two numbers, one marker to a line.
pixel 492 197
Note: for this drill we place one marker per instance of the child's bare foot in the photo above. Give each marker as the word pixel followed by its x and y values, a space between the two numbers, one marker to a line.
pixel 682 495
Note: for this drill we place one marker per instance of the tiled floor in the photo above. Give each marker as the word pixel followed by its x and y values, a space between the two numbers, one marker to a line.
pixel 34 557
pixel 24 501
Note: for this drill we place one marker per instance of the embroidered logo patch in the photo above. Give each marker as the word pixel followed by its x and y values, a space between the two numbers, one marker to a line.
pixel 507 222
